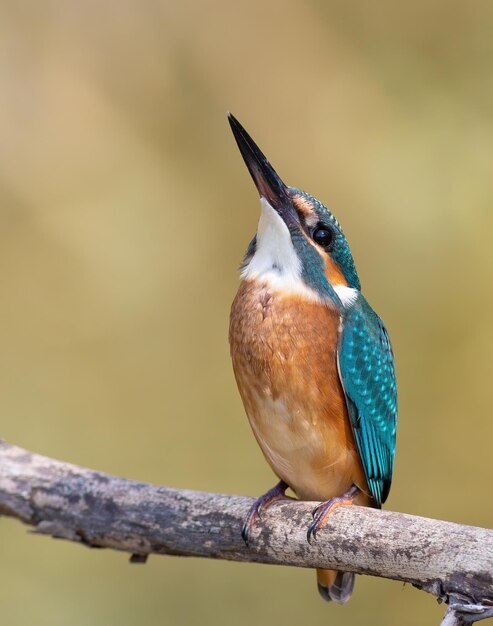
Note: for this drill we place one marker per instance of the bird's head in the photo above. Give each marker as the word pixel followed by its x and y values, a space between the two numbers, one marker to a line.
pixel 299 247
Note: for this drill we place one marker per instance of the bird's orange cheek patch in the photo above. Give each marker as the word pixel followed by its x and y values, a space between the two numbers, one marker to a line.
pixel 333 273
pixel 332 270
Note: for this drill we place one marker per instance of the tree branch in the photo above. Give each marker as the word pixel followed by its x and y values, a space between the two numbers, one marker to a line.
pixel 451 561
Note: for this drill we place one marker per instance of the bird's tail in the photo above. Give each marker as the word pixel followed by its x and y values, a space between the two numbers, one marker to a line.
pixel 336 586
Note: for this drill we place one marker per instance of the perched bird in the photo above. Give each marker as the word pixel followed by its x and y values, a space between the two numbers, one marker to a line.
pixel 312 360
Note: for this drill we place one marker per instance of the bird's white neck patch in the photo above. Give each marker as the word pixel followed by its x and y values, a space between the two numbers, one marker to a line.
pixel 275 261
pixel 347 295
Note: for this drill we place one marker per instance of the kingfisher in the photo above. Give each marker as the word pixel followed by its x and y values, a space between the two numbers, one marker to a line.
pixel 312 360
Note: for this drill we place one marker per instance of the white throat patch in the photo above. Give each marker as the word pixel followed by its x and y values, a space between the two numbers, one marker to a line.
pixel 347 295
pixel 275 261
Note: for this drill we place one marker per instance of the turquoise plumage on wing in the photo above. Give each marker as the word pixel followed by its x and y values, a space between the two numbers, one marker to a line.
pixel 366 365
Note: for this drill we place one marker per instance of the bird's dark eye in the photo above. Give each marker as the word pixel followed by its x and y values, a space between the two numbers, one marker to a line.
pixel 322 236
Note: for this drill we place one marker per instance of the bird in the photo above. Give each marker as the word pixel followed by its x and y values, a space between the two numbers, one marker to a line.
pixel 313 362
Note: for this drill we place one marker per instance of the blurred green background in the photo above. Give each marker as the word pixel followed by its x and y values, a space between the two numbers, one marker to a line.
pixel 125 209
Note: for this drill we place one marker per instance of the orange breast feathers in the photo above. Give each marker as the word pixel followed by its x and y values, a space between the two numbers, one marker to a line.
pixel 284 358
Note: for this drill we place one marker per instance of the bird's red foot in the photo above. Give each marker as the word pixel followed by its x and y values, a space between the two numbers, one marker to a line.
pixel 273 495
pixel 322 512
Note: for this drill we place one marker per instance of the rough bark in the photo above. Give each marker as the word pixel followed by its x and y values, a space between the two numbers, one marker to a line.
pixel 451 561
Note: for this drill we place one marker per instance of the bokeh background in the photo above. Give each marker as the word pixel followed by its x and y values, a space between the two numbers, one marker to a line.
pixel 125 209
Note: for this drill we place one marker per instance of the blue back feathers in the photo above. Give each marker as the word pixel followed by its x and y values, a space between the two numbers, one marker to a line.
pixel 366 366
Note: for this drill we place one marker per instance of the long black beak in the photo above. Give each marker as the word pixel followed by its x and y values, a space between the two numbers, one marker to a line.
pixel 268 183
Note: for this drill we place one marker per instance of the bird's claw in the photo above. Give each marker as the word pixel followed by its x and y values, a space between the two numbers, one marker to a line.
pixel 311 532
pixel 251 518
pixel 322 511
pixel 276 493
pixel 315 526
